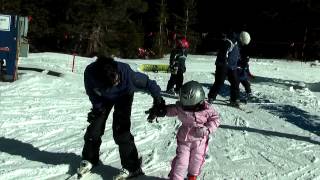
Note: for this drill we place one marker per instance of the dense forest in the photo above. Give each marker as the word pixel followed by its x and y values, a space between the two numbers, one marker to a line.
pixel 279 29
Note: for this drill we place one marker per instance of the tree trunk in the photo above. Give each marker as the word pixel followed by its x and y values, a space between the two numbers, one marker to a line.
pixel 186 24
pixel 304 44
pixel 94 40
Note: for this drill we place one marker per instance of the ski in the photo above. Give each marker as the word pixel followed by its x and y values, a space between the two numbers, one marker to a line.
pixel 169 95
pixel 130 178
pixel 77 176
pixel 257 102
pixel 241 107
pixel 261 103
pixel 137 176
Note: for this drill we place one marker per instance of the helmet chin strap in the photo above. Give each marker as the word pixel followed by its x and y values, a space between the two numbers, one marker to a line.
pixel 197 107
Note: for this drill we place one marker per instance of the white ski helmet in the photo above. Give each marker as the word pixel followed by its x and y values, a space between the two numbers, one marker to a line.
pixel 245 38
pixel 191 94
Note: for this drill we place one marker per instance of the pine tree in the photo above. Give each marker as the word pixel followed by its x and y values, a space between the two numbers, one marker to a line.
pixel 10 7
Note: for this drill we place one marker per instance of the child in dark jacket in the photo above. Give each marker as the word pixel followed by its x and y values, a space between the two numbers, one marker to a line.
pixel 177 66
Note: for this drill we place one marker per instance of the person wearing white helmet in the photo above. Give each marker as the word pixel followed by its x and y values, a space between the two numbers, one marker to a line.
pixel 226 68
pixel 244 38
pixel 243 64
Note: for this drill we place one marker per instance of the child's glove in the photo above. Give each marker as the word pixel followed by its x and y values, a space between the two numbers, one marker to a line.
pixel 152 115
pixel 159 105
pixel 202 132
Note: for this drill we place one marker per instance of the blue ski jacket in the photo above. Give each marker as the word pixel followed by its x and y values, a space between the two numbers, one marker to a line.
pixel 228 53
pixel 130 81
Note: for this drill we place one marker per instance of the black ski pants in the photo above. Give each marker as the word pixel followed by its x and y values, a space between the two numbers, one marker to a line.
pixel 121 134
pixel 223 72
pixel 247 86
pixel 176 80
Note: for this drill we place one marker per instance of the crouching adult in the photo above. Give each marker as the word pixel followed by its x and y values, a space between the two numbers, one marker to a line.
pixel 111 84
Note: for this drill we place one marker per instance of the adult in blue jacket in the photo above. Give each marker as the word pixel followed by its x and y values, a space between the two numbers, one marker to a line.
pixel 109 84
pixel 226 67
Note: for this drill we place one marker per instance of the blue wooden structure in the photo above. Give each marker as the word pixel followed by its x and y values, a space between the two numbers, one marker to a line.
pixel 12 29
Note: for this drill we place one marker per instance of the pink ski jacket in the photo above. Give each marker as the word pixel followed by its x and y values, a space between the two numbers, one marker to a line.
pixel 208 117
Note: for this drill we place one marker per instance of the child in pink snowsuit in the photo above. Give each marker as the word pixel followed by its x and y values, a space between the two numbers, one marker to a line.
pixel 192 138
pixel 199 120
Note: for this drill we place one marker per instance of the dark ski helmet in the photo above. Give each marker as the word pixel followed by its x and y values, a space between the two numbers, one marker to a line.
pixel 191 94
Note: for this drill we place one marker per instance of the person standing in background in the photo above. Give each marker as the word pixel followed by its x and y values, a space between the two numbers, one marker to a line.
pixel 226 68
pixel 243 64
pixel 177 65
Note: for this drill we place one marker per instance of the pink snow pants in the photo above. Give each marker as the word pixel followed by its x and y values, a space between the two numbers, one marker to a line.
pixel 190 157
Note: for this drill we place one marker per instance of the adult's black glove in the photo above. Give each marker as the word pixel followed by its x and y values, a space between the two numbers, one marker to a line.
pixel 160 105
pixel 94 114
pixel 152 115
pixel 157 110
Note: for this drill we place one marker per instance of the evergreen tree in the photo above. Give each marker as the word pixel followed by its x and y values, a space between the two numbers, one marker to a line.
pixel 10 7
pixel 124 28
pixel 118 27
pixel 156 21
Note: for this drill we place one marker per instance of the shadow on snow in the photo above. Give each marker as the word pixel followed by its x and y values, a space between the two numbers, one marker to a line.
pixel 18 148
pixel 270 133
pixel 314 87
pixel 296 116
pixel 289 113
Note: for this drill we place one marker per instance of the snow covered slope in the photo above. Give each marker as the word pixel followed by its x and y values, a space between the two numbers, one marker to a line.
pixel 43 120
